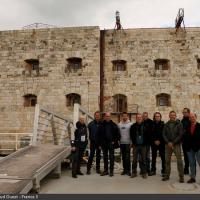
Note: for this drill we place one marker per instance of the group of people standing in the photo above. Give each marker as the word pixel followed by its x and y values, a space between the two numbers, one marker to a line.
pixel 141 137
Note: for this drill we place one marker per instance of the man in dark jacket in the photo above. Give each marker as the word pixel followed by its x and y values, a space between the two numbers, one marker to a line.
pixel 93 128
pixel 148 124
pixel 78 146
pixel 108 137
pixel 172 135
pixel 192 145
pixel 186 123
pixel 140 140
pixel 158 143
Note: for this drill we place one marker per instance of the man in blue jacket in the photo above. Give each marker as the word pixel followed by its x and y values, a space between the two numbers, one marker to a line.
pixel 94 147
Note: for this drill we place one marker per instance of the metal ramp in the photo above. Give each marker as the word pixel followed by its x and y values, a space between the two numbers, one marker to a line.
pixel 22 171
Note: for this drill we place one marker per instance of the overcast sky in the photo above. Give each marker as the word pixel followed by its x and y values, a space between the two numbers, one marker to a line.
pixel 14 14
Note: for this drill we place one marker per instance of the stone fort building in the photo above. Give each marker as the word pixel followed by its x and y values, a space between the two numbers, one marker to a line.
pixel 131 70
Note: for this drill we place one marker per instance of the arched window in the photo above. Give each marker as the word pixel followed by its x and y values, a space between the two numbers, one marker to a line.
pixel 162 64
pixel 163 99
pixel 119 65
pixel 74 63
pixel 72 98
pixel 32 65
pixel 30 100
pixel 120 103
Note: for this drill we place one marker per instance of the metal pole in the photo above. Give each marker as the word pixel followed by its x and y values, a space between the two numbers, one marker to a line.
pixel 35 127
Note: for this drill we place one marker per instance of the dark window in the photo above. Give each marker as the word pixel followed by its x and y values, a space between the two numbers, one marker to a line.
pixel 74 63
pixel 72 98
pixel 163 100
pixel 198 63
pixel 32 64
pixel 30 100
pixel 162 64
pixel 119 65
pixel 120 103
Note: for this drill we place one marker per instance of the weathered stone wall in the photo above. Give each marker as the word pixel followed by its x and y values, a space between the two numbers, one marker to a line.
pixel 52 47
pixel 141 82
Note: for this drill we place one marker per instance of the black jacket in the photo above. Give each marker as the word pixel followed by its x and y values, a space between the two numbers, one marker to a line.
pixel 174 134
pixel 148 123
pixel 192 142
pixel 137 130
pixel 108 132
pixel 80 136
pixel 186 123
pixel 93 130
pixel 157 131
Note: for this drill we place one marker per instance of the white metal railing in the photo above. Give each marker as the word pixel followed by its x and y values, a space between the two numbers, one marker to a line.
pixel 49 126
pixel 78 111
pixel 14 141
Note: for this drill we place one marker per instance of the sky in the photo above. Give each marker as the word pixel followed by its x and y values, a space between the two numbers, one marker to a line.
pixel 15 14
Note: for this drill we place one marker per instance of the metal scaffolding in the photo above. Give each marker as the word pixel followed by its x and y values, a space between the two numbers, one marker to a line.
pixel 179 19
pixel 38 26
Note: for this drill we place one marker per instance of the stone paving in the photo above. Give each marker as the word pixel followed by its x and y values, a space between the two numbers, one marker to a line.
pixel 95 184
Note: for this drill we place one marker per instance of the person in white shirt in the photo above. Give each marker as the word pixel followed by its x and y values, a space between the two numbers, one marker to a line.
pixel 125 143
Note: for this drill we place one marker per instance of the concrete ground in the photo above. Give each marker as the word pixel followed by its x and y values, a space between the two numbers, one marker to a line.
pixel 95 184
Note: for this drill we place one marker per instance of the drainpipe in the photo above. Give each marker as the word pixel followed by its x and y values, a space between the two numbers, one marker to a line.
pixel 102 63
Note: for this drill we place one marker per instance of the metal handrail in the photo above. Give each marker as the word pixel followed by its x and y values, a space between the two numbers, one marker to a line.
pixel 58 128
pixel 16 141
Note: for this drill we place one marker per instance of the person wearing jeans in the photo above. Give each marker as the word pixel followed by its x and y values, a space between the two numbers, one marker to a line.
pixel 94 147
pixel 140 140
pixel 193 146
pixel 125 143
